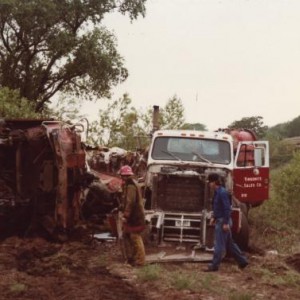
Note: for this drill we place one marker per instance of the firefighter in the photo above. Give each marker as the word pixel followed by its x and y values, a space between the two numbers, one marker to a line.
pixel 222 221
pixel 133 218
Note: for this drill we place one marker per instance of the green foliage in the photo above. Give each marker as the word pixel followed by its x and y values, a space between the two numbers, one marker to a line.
pixel 211 283
pixel 293 128
pixel 98 261
pixel 67 108
pixel 277 221
pixel 149 273
pixel 208 282
pixel 48 46
pixel 240 296
pixel 281 152
pixel 117 126
pixel 183 281
pixel 14 106
pixel 194 126
pixel 287 129
pixel 253 123
pixel 284 279
pixel 122 125
pixel 17 288
pixel 172 115
pixel 286 186
pixel 278 131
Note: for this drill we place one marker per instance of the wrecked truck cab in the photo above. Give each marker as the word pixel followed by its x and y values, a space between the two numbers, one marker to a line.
pixel 41 176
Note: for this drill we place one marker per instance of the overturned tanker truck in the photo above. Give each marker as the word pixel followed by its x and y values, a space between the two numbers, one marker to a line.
pixel 178 199
pixel 42 177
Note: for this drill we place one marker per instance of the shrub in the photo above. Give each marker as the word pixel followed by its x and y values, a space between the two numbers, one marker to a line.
pixel 286 185
pixel 276 223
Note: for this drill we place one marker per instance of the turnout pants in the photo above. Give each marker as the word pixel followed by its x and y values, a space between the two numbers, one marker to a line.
pixel 134 248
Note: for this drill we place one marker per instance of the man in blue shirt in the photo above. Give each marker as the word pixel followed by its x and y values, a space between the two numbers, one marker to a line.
pixel 222 221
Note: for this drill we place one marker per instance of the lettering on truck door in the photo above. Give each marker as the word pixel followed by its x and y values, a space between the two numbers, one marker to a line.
pixel 251 172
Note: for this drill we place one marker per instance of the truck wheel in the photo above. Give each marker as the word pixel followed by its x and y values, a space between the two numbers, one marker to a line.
pixel 242 237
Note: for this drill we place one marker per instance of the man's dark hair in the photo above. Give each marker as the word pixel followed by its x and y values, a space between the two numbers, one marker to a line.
pixel 214 177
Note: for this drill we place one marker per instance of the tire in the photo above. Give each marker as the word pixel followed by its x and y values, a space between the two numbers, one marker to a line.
pixel 242 237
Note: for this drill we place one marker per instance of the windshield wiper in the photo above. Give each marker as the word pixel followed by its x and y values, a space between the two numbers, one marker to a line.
pixel 201 157
pixel 171 154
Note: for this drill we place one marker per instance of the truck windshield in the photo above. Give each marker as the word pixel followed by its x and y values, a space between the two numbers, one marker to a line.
pixel 191 149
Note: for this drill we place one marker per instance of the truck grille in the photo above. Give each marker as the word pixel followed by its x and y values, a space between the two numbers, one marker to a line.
pixel 181 228
pixel 179 193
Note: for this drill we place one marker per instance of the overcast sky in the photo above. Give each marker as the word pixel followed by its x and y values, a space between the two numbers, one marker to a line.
pixel 225 59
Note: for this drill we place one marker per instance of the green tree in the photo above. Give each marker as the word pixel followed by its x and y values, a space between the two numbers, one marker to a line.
pixel 172 115
pixel 118 125
pixel 293 128
pixel 278 131
pixel 253 123
pixel 67 108
pixel 122 125
pixel 287 129
pixel 194 126
pixel 48 46
pixel 14 106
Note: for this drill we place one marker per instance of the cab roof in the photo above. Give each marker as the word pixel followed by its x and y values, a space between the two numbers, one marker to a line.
pixel 193 134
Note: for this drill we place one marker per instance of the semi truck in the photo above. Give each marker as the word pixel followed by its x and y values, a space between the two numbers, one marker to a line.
pixel 178 200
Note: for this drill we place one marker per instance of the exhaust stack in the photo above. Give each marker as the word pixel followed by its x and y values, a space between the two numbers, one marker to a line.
pixel 155 118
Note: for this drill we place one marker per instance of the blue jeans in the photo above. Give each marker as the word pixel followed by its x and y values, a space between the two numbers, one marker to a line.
pixel 224 243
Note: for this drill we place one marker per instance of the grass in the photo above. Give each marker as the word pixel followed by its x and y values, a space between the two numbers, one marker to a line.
pixel 99 261
pixel 240 296
pixel 182 281
pixel 282 278
pixel 149 273
pixel 179 279
pixel 275 224
pixel 195 282
pixel 208 282
pixel 292 278
pixel 17 288
pixel 271 233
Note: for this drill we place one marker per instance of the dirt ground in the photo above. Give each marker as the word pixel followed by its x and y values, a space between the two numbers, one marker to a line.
pixel 88 269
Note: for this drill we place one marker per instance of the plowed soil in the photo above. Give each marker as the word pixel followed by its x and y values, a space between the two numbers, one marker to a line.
pixel 89 269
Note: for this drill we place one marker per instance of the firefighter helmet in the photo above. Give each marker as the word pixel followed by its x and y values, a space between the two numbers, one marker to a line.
pixel 126 170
